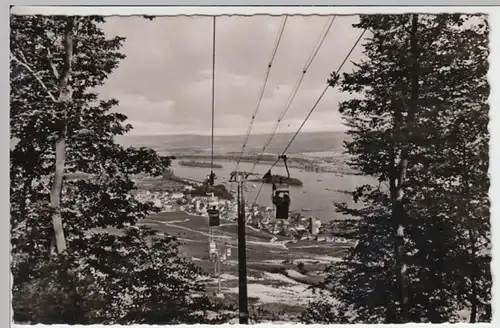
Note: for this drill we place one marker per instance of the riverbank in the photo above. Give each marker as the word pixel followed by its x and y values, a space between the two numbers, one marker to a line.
pixel 315 198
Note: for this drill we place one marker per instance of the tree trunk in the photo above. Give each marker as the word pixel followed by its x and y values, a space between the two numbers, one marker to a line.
pixel 472 240
pixel 395 187
pixel 65 98
pixel 391 315
pixel 399 222
pixel 55 193
pixel 398 212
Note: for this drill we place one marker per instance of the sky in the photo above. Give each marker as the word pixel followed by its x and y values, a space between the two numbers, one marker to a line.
pixel 164 85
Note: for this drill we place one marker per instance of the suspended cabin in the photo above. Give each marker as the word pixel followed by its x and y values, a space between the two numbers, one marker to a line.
pixel 281 199
pixel 213 213
pixel 280 192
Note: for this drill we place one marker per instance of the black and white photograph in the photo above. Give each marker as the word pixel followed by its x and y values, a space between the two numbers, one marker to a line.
pixel 249 169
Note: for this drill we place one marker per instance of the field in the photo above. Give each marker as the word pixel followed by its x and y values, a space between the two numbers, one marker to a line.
pixel 278 273
pixel 193 232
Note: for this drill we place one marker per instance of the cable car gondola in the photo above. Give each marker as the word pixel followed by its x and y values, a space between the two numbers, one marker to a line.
pixel 213 212
pixel 280 192
pixel 213 203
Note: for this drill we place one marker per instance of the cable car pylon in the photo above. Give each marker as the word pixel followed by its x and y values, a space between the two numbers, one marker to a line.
pixel 240 178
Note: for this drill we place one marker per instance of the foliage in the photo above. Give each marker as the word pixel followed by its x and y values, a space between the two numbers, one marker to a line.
pixel 113 271
pixel 447 223
pixel 148 268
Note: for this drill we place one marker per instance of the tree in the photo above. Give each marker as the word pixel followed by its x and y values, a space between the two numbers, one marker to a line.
pixel 461 162
pixel 400 125
pixel 106 262
pixel 453 148
pixel 147 282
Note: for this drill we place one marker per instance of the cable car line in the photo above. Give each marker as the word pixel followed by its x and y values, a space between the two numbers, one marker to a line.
pixel 336 75
pixel 212 177
pixel 213 210
pixel 299 81
pixel 275 50
pixel 278 40
pixel 324 33
pixel 290 99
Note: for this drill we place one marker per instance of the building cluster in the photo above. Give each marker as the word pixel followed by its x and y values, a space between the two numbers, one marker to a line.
pixel 166 201
pixel 181 200
pixel 296 227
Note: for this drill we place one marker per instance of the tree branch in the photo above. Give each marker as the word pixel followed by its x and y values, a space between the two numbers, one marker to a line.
pixel 20 225
pixel 51 64
pixel 34 75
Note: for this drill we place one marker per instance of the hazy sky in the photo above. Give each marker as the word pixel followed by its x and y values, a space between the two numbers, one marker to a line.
pixel 165 84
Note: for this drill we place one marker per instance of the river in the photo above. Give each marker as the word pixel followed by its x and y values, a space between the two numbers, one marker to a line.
pixel 318 193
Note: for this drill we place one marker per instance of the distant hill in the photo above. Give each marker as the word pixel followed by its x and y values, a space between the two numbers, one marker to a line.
pixel 305 142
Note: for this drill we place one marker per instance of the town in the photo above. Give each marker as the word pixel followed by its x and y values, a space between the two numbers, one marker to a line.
pixel 179 198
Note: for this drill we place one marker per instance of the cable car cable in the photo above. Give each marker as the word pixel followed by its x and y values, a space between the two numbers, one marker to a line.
pixel 273 55
pixel 295 90
pixel 213 211
pixel 290 99
pixel 325 31
pixel 275 49
pixel 322 94
pixel 212 178
pixel 313 108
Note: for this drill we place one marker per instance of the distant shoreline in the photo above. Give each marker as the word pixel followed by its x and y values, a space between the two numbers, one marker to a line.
pixel 194 163
pixel 208 134
pixel 305 164
pixel 299 163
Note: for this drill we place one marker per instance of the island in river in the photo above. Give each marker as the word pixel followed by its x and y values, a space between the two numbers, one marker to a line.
pixel 277 179
pixel 200 164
